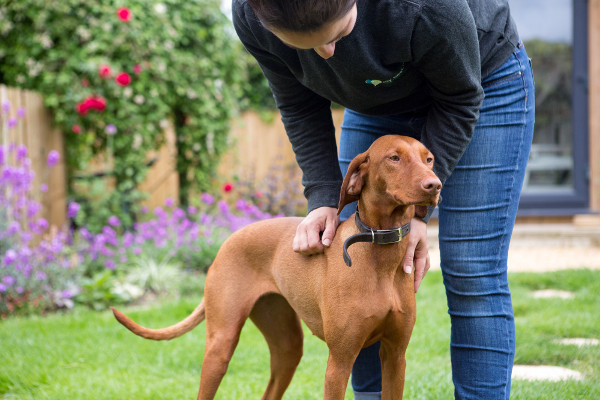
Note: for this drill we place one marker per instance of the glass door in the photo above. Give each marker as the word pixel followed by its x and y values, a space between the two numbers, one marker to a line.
pixel 555 36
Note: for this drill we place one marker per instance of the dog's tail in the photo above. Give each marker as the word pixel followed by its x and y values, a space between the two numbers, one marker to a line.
pixel 173 331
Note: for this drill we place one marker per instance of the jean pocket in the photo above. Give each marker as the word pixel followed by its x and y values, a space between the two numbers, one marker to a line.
pixel 501 80
pixel 532 75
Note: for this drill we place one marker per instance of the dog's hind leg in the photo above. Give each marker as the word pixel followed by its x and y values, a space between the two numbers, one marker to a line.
pixel 220 345
pixel 227 309
pixel 281 327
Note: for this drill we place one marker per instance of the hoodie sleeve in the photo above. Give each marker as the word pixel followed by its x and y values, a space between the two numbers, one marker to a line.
pixel 305 115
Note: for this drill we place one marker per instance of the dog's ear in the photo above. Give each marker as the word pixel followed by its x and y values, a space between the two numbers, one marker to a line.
pixel 354 180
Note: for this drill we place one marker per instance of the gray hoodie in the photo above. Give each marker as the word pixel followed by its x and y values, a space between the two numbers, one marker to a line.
pixel 412 57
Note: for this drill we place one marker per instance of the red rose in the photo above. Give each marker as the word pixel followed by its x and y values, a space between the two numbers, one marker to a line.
pixel 81 108
pixel 137 69
pixel 85 83
pixel 228 187
pixel 104 71
pixel 124 14
pixel 99 103
pixel 76 129
pixel 123 79
pixel 96 103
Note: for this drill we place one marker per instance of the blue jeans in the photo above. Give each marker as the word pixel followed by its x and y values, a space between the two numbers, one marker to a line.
pixel 476 218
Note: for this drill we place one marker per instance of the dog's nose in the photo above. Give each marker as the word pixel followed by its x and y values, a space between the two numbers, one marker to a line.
pixel 431 185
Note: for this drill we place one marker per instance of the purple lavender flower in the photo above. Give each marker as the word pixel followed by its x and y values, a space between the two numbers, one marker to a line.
pixel 53 158
pixel 178 214
pixel 43 188
pixel 73 210
pixel 21 153
pixel 111 129
pixel 192 210
pixel 207 198
pixel 9 280
pixel 41 276
pixel 85 233
pixel 127 240
pixel 12 122
pixel 169 202
pixel 9 257
pixel 42 224
pixel 21 112
pixel 110 264
pixel 114 221
pixel 223 207
pixel 33 208
pixel 13 228
pixel 6 106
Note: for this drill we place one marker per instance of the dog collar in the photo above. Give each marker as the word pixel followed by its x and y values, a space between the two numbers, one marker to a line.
pixel 370 235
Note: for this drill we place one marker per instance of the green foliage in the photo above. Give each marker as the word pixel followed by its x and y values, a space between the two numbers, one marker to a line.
pixel 182 61
pixel 97 292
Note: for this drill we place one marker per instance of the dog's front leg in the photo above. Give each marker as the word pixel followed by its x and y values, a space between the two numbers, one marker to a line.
pixel 339 367
pixel 393 366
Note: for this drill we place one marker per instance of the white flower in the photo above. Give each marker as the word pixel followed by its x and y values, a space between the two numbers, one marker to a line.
pixel 210 142
pixel 46 41
pixel 7 27
pixel 191 94
pixel 139 99
pixel 127 92
pixel 137 141
pixel 164 124
pixel 160 8
pixel 83 33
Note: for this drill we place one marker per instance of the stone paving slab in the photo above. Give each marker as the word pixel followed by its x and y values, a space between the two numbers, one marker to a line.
pixel 544 372
pixel 543 247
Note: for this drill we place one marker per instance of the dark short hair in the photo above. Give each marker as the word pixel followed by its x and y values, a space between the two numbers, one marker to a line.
pixel 299 15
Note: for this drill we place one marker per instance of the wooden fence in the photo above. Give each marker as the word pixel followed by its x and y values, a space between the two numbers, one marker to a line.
pixel 258 144
pixel 36 131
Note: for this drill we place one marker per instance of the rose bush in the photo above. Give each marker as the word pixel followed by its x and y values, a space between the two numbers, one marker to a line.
pixel 114 76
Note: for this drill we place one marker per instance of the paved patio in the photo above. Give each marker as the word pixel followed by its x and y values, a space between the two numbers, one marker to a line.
pixel 545 246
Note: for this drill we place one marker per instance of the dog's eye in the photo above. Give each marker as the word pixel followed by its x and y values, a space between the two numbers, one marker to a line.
pixel 429 160
pixel 394 158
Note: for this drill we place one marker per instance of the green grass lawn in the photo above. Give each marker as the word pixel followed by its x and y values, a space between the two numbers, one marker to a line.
pixel 87 355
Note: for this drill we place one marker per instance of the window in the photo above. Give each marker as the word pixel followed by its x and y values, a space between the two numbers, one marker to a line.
pixel 555 36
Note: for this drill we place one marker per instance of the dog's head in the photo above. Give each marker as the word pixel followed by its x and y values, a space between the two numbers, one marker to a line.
pixel 394 171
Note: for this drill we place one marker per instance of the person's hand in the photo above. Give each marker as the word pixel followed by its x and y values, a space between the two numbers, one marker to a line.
pixel 417 252
pixel 308 239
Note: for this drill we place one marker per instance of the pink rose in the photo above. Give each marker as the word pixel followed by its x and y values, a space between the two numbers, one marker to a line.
pixel 123 79
pixel 124 14
pixel 104 72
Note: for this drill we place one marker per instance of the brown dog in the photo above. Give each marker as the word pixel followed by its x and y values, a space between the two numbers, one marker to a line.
pixel 256 274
